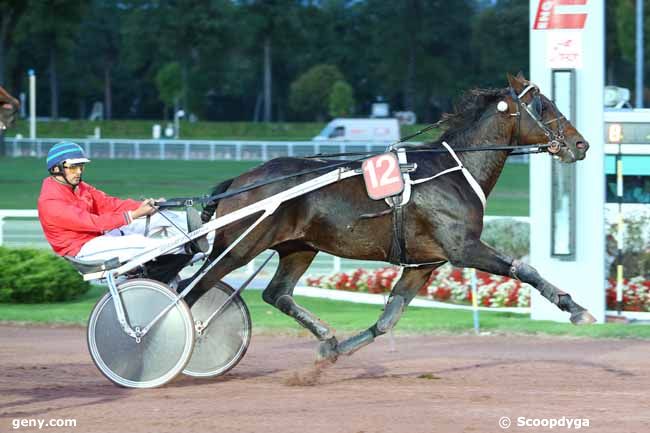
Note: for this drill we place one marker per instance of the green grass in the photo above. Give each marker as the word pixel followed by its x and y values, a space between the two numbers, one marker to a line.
pixel 20 180
pixel 344 317
pixel 197 130
pixel 510 195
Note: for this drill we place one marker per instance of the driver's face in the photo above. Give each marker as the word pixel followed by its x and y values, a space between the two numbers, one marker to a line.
pixel 73 173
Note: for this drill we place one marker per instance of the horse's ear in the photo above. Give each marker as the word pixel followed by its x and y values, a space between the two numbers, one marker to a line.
pixel 515 82
pixel 520 75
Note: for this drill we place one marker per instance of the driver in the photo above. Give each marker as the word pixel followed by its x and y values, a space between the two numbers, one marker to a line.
pixel 81 221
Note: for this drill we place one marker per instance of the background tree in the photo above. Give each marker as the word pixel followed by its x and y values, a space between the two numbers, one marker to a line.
pixel 500 42
pixel 52 26
pixel 192 33
pixel 10 13
pixel 414 61
pixel 239 59
pixel 311 91
pixel 271 23
pixel 170 85
pixel 100 49
pixel 341 100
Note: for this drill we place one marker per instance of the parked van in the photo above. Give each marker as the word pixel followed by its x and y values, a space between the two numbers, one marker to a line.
pixel 361 130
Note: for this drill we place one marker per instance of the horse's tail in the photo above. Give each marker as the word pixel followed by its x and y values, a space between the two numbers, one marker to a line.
pixel 211 207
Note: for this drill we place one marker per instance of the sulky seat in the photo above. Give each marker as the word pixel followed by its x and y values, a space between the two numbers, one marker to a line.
pixel 91 266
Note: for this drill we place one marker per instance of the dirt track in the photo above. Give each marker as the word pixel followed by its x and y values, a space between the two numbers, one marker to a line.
pixel 428 384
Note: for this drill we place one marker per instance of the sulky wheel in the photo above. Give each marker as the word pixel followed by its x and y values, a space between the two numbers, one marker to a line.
pixel 221 345
pixel 160 355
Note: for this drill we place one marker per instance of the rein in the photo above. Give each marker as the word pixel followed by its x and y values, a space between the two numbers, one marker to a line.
pixel 211 199
pixel 521 150
pixel 553 146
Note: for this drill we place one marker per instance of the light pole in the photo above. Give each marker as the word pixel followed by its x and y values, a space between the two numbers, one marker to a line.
pixel 177 124
pixel 32 104
pixel 639 54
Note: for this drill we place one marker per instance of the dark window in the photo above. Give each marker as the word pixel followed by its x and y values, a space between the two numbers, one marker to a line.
pixel 339 131
pixel 636 189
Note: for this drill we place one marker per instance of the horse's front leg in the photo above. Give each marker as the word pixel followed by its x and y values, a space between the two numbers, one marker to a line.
pixel 483 257
pixel 279 293
pixel 403 292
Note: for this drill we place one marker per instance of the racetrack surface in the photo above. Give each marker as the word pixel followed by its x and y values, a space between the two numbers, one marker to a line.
pixel 426 384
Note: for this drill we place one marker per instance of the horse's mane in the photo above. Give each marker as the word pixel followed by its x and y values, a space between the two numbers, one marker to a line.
pixel 467 112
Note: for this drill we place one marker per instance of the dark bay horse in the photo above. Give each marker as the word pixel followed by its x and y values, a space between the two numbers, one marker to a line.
pixel 8 108
pixel 442 222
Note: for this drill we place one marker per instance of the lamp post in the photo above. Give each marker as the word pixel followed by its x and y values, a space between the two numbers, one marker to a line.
pixel 639 54
pixel 177 124
pixel 32 104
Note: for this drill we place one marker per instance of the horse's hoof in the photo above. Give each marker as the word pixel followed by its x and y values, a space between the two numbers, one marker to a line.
pixel 327 352
pixel 582 318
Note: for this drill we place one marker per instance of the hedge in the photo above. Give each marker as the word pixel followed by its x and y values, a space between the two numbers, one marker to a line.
pixel 34 276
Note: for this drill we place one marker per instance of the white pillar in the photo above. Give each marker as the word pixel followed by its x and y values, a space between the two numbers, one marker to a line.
pixel 32 104
pixel 584 277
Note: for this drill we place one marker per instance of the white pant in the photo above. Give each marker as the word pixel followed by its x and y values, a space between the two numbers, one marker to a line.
pixel 129 240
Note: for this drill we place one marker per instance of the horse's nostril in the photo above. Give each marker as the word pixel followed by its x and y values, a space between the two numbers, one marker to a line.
pixel 582 145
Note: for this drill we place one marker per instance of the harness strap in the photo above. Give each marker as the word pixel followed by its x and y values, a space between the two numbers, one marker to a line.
pixel 397 253
pixel 406 194
pixel 470 179
pixel 526 90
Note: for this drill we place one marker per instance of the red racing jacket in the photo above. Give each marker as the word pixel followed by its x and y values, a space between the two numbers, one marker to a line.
pixel 70 218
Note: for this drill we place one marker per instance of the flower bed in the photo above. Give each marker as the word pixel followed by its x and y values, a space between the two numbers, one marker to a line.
pixel 636 294
pixel 446 284
pixel 451 284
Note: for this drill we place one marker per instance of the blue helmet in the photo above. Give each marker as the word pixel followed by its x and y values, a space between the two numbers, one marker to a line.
pixel 65 151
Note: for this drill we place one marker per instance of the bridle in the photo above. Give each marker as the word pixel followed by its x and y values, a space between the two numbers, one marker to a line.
pixel 534 110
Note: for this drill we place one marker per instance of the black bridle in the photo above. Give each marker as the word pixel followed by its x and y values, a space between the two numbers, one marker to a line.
pixel 535 111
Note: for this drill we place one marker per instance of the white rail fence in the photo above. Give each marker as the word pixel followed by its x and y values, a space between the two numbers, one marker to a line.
pixel 191 149
pixel 21 228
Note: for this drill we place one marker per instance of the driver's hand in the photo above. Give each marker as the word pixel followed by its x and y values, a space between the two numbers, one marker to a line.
pixel 146 208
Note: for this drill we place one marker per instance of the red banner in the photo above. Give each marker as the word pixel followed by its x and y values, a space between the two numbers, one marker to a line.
pixel 549 18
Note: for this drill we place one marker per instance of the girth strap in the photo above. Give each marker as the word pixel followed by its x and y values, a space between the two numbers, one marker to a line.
pixel 397 254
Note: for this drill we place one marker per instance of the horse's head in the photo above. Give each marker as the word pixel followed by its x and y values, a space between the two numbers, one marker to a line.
pixel 537 120
pixel 8 108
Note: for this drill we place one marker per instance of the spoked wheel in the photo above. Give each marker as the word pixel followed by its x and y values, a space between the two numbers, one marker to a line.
pixel 223 343
pixel 160 355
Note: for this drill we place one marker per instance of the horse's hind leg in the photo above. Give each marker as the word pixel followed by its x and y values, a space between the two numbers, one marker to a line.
pixel 483 257
pixel 403 292
pixel 279 292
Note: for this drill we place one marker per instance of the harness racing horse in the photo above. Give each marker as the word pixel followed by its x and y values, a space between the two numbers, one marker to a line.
pixel 441 223
pixel 8 108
